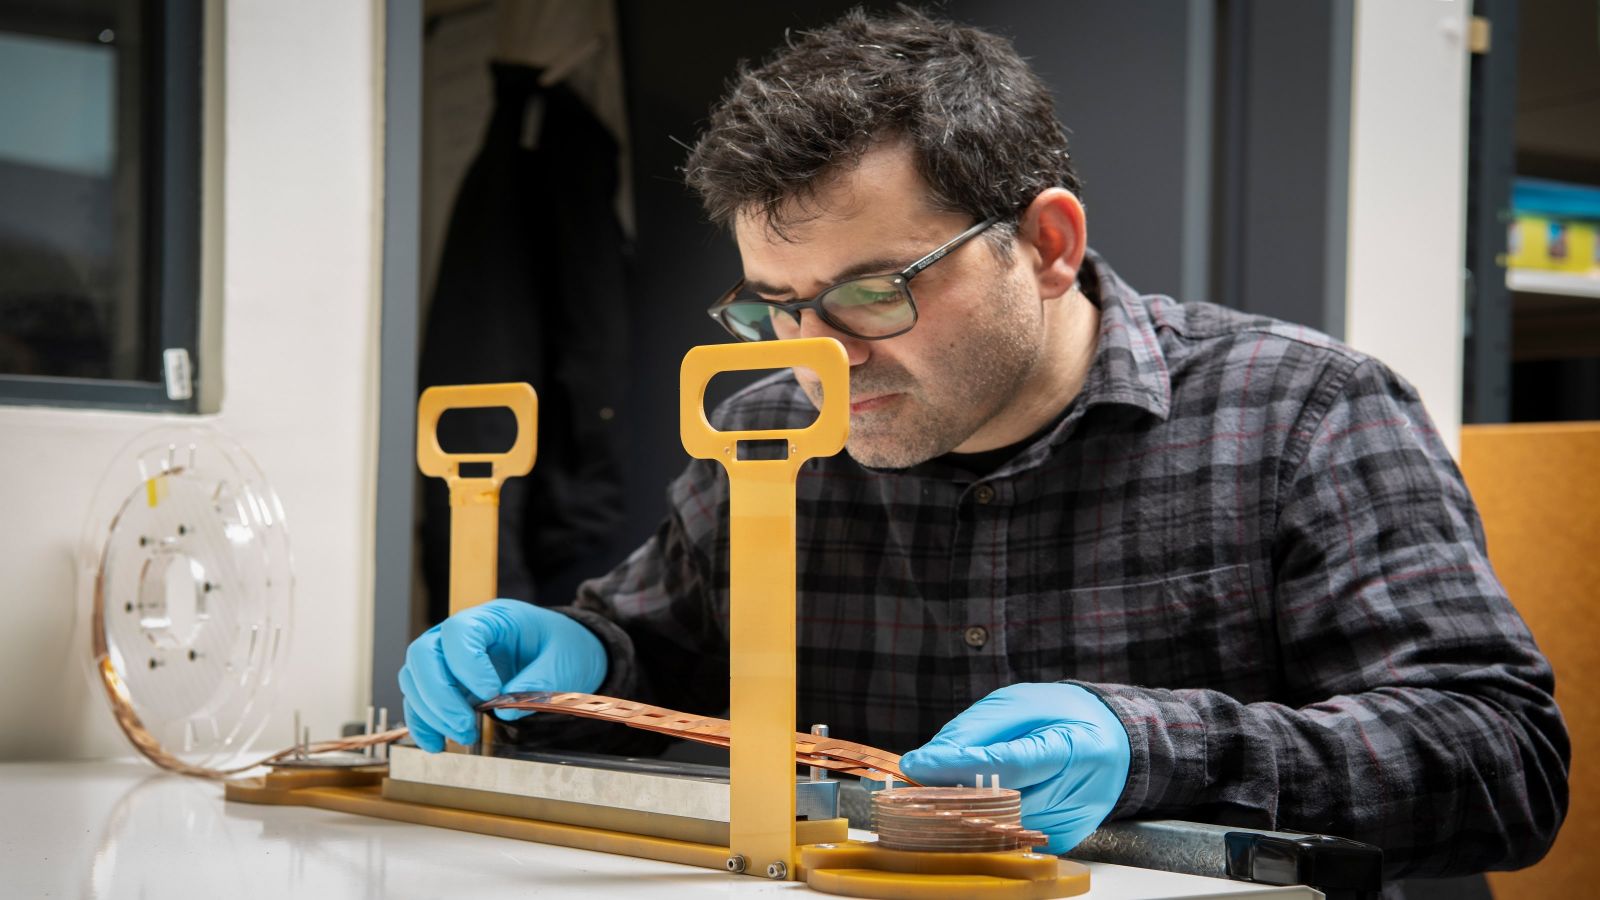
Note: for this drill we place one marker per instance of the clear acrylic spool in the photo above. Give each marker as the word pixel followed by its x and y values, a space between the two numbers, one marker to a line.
pixel 186 588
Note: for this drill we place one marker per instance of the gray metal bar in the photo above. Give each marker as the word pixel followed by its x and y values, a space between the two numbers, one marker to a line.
pixel 1491 159
pixel 397 391
pixel 1341 65
pixel 1198 137
pixel 642 785
pixel 174 258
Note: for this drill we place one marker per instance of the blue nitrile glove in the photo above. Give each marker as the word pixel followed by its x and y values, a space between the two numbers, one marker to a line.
pixel 500 647
pixel 1057 743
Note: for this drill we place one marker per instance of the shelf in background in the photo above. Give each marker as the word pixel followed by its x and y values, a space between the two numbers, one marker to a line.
pixel 1565 284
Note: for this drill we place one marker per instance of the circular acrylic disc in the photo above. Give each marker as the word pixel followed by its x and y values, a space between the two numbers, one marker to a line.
pixel 186 586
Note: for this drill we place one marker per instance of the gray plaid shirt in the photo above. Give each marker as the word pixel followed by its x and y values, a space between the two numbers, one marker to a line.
pixel 1244 536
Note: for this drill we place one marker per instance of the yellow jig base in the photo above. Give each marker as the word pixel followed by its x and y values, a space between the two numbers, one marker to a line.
pixel 858 869
pixel 360 792
pixel 763 837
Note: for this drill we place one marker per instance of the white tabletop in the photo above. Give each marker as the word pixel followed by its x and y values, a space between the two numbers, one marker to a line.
pixel 122 829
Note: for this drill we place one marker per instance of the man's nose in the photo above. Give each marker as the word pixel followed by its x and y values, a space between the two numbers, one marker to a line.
pixel 812 325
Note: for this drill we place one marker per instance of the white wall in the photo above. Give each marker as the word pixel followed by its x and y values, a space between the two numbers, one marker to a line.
pixel 299 245
pixel 1408 157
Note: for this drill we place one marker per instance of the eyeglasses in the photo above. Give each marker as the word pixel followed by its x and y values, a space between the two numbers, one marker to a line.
pixel 872 308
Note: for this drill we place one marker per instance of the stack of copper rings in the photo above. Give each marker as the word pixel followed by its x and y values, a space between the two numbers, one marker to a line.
pixel 951 819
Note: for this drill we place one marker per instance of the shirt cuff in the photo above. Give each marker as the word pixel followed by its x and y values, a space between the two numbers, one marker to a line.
pixel 622 676
pixel 1167 744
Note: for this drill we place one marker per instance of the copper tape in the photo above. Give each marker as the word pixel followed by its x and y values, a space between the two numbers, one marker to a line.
pixel 810 750
pixel 151 749
pixel 1025 837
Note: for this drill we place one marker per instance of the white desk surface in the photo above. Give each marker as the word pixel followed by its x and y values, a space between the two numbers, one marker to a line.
pixel 123 829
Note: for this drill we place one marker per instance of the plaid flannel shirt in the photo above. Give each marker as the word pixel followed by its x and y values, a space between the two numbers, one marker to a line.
pixel 1244 536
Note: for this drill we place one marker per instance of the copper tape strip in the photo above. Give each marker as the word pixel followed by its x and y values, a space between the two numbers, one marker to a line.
pixel 810 750
pixel 151 749
pixel 1025 837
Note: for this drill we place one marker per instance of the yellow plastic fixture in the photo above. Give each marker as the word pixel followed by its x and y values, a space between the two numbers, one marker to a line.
pixel 475 501
pixel 856 869
pixel 761 640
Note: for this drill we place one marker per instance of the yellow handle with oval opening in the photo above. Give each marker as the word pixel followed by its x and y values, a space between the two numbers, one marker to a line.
pixel 475 501
pixel 761 540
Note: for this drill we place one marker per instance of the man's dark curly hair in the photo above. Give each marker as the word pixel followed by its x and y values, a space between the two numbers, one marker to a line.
pixel 979 121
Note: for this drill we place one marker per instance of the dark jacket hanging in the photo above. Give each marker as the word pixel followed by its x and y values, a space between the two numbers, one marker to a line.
pixel 531 288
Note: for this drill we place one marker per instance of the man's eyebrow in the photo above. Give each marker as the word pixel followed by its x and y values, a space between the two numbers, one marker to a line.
pixel 878 266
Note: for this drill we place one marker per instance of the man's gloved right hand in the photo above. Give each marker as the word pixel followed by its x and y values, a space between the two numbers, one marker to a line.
pixel 500 647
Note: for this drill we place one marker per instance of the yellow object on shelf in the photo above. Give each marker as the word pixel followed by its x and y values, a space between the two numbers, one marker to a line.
pixel 761 546
pixel 1554 244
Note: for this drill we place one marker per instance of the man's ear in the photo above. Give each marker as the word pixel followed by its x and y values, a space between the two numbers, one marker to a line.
pixel 1053 227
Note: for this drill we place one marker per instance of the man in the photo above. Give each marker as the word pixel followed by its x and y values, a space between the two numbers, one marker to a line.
pixel 1140 558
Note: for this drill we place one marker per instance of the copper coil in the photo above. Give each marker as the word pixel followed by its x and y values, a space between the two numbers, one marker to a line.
pixel 951 820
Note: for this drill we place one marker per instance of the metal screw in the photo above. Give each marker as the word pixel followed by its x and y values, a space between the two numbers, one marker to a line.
pixel 778 871
pixel 736 864
pixel 818 773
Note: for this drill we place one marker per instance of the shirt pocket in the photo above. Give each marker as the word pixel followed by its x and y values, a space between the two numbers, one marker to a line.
pixel 1198 630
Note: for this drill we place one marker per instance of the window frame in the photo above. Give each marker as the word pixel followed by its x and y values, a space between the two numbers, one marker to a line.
pixel 171 170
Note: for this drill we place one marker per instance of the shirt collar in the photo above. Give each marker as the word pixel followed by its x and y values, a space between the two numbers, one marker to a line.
pixel 1129 367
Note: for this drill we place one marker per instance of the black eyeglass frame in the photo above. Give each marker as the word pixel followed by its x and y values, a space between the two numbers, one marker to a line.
pixel 901 281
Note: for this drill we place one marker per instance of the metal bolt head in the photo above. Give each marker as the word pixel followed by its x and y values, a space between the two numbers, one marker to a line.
pixel 778 871
pixel 736 864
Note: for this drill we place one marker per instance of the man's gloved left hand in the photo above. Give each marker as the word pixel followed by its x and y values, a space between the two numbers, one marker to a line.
pixel 1057 743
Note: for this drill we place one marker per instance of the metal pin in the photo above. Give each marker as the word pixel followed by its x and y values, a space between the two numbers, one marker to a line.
pixel 383 725
pixel 306 747
pixel 371 750
pixel 977 781
pixel 888 782
pixel 817 772
pixel 994 781
pixel 299 752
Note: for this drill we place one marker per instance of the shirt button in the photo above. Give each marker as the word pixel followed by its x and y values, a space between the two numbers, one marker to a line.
pixel 983 494
pixel 977 636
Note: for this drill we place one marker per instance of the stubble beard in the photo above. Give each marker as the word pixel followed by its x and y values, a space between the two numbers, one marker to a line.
pixel 975 380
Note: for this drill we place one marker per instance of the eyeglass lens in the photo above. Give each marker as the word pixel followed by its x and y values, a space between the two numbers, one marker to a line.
pixel 866 307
